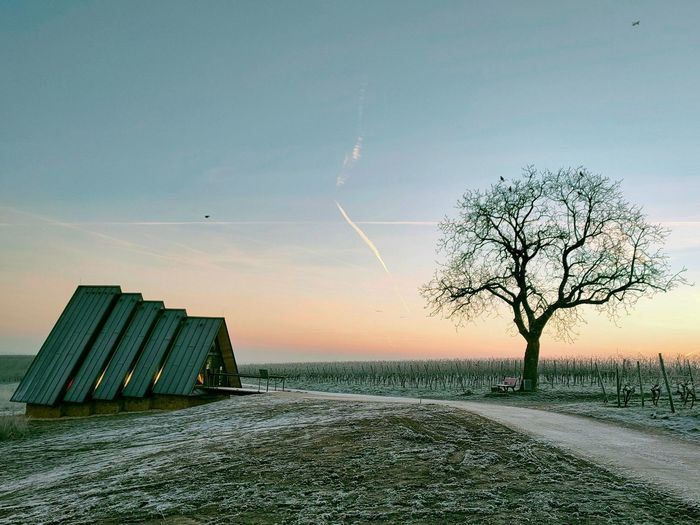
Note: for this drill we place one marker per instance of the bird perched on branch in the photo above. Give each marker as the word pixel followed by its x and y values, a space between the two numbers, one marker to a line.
pixel 502 179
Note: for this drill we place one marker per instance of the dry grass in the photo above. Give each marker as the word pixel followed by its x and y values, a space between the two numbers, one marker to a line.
pixel 12 427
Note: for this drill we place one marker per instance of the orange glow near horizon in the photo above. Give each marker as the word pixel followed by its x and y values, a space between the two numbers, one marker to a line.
pixel 304 302
pixel 321 330
pixel 295 186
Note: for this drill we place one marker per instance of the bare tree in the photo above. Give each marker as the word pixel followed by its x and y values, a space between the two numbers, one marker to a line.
pixel 541 246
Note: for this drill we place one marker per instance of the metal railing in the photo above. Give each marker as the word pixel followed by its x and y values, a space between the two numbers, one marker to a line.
pixel 223 379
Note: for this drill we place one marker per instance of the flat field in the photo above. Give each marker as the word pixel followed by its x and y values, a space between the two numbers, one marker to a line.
pixel 281 459
pixel 566 385
pixel 13 367
pixel 276 459
pixel 6 406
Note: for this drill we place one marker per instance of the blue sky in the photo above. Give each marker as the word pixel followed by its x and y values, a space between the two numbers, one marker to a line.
pixel 114 113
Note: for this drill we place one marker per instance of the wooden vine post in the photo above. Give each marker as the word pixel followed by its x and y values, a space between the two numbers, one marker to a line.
pixel 668 387
pixel 641 388
pixel 690 370
pixel 617 383
pixel 600 380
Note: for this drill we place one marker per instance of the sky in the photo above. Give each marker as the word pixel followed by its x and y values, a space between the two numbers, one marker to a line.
pixel 124 124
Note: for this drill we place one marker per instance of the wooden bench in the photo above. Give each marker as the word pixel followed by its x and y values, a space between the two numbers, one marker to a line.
pixel 507 383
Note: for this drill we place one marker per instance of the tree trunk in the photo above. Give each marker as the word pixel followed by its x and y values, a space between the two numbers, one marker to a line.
pixel 532 356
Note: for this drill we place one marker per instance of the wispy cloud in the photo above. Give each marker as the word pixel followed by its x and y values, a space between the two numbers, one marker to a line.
pixel 110 239
pixel 684 234
pixel 227 223
pixel 689 224
pixel 219 258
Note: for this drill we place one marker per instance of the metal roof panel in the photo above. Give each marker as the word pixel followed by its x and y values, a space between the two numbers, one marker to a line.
pixel 103 347
pixel 187 356
pixel 154 352
pixel 36 371
pixel 130 346
pixel 66 344
pixel 174 359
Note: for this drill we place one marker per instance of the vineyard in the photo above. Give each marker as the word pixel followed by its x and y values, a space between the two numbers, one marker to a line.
pixel 466 376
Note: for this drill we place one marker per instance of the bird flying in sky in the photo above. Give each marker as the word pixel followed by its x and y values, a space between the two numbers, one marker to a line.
pixel 636 23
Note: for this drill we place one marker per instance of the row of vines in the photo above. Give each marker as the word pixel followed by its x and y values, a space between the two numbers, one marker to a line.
pixel 480 374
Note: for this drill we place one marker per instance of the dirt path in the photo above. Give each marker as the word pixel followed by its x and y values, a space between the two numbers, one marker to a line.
pixel 664 461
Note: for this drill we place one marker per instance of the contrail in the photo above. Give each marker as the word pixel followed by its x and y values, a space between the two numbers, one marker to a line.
pixel 356 153
pixel 364 237
pixel 361 109
pixel 348 163
pixel 374 249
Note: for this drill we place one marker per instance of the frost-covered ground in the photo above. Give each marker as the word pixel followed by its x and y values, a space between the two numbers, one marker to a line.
pixel 685 423
pixel 582 401
pixel 276 459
